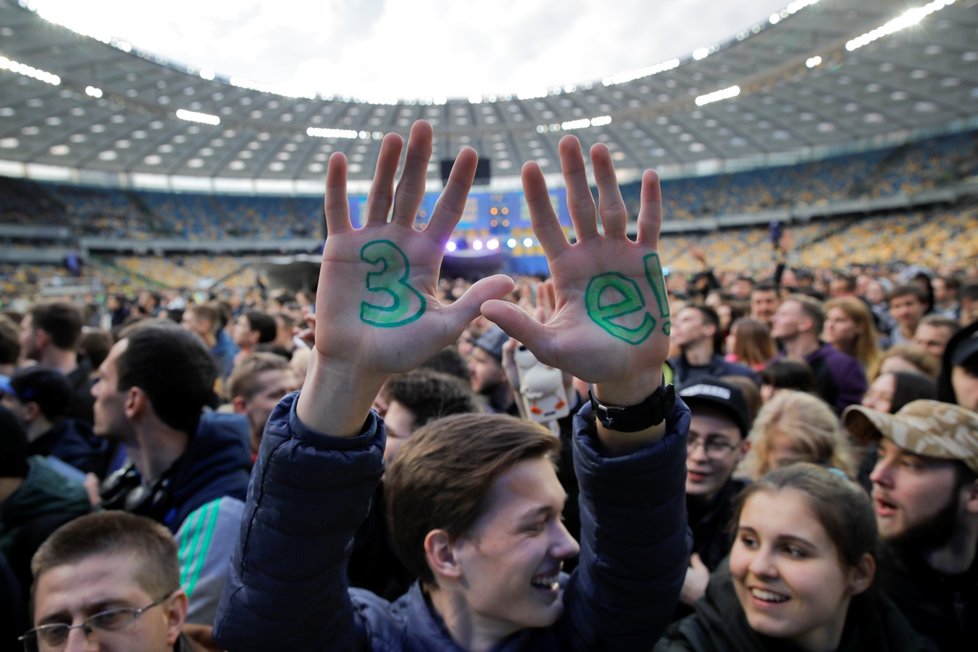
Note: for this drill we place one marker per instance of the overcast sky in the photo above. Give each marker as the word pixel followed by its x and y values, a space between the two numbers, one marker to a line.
pixel 416 48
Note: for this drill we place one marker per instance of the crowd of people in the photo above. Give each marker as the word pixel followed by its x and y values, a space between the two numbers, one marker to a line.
pixel 612 457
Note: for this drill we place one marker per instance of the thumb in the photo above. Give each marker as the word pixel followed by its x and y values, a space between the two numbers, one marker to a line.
pixel 697 563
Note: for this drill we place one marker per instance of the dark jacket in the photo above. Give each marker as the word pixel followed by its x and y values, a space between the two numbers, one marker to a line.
pixel 839 379
pixel 873 624
pixel 942 607
pixel 44 502
pixel 216 464
pixel 74 443
pixel 685 374
pixel 709 521
pixel 82 402
pixel 309 492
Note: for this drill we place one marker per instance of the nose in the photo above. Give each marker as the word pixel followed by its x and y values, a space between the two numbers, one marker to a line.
pixel 882 473
pixel 79 641
pixel 564 545
pixel 696 450
pixel 762 563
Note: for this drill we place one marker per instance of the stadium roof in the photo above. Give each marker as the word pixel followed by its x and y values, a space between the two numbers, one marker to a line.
pixel 823 77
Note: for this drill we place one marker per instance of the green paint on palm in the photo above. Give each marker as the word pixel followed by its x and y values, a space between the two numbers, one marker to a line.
pixel 405 304
pixel 653 273
pixel 630 300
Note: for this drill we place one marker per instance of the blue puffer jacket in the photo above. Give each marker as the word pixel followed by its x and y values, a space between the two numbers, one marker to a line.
pixel 309 492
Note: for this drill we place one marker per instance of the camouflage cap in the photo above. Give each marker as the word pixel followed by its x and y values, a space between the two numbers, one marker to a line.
pixel 924 427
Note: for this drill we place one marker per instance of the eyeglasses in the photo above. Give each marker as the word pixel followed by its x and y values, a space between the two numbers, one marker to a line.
pixel 712 446
pixel 54 636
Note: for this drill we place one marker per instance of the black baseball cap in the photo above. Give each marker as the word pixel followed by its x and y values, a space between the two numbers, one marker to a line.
pixel 724 397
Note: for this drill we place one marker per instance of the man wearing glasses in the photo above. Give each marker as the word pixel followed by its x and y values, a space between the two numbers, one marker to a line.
pixel 108 580
pixel 716 444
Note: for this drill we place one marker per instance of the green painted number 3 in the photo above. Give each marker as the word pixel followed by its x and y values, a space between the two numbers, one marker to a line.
pixel 628 300
pixel 404 304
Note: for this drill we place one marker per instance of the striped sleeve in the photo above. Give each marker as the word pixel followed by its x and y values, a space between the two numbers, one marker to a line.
pixel 205 541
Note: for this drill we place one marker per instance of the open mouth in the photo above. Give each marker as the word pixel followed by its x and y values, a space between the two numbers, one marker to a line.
pixel 696 476
pixel 549 582
pixel 768 597
pixel 884 508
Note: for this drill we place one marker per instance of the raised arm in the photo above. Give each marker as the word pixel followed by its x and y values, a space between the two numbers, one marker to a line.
pixel 610 326
pixel 376 307
pixel 322 455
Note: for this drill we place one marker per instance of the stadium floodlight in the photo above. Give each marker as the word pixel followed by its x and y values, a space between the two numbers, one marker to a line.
pixel 580 123
pixel 701 53
pixel 93 91
pixel 349 134
pixel 450 246
pixel 632 75
pixel 907 19
pixel 569 125
pixel 811 62
pixel 29 71
pixel 511 243
pixel 196 116
pixel 527 242
pixel 716 96
pixel 492 245
pixel 798 5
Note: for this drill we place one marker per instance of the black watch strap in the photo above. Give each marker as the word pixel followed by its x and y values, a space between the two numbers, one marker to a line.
pixel 631 418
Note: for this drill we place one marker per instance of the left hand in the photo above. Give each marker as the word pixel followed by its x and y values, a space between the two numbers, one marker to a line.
pixel 610 325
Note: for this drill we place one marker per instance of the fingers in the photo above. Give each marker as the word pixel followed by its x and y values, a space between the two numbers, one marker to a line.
pixel 450 205
pixel 547 299
pixel 410 187
pixel 650 213
pixel 382 188
pixel 335 204
pixel 467 307
pixel 522 327
pixel 546 227
pixel 611 206
pixel 580 202
pixel 696 562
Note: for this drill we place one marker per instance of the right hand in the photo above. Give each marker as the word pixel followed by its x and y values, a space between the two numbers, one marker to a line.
pixel 377 312
pixel 697 579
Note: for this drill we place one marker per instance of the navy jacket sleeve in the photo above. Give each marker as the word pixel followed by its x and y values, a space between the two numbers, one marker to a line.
pixel 308 494
pixel 635 543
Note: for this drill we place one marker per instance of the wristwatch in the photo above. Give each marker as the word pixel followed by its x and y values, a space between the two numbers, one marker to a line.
pixel 631 418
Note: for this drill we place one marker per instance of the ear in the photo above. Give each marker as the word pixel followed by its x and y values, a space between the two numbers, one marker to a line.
pixel 969 497
pixel 31 411
pixel 439 552
pixel 41 338
pixel 861 576
pixel 175 610
pixel 744 447
pixel 239 405
pixel 136 402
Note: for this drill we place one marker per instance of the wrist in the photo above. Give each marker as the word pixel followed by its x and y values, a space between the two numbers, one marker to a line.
pixel 649 413
pixel 336 396
pixel 629 391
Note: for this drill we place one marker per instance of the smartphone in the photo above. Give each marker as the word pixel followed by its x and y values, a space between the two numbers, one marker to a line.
pixel 541 388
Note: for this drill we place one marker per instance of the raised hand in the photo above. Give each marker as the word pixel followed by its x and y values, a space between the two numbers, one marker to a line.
pixel 610 325
pixel 376 307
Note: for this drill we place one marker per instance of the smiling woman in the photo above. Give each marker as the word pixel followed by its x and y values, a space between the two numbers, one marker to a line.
pixel 798 575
